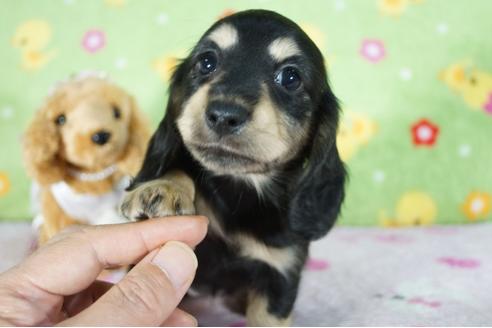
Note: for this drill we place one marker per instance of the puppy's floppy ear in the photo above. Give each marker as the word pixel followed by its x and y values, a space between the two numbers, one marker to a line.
pixel 166 144
pixel 319 192
pixel 139 134
pixel 40 145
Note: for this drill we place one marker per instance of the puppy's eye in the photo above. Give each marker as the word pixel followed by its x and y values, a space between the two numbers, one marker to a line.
pixel 289 78
pixel 116 112
pixel 60 119
pixel 207 63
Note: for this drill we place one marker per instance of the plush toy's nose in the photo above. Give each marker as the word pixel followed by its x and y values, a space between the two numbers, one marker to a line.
pixel 101 137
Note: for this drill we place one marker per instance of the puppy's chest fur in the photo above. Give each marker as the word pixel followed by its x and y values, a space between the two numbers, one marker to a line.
pixel 248 233
pixel 240 207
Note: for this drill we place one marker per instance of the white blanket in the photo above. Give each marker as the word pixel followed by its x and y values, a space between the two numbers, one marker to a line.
pixel 437 276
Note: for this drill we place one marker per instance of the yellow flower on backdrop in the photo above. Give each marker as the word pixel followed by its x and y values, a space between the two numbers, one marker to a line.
pixel 477 205
pixel 32 38
pixel 4 184
pixel 314 34
pixel 413 208
pixel 115 3
pixel 319 38
pixel 165 65
pixel 475 86
pixel 355 131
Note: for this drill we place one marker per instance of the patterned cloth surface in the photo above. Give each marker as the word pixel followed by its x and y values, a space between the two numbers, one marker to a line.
pixel 414 78
pixel 437 276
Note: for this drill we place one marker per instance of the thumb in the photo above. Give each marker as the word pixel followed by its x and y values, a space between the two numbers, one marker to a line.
pixel 148 294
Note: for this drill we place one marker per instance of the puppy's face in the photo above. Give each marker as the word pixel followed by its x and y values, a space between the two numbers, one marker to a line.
pixel 92 118
pixel 247 95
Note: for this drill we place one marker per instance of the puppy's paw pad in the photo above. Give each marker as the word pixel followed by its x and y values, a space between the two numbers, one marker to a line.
pixel 156 199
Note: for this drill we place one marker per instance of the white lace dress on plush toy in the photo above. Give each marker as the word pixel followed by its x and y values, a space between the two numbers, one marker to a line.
pixel 86 208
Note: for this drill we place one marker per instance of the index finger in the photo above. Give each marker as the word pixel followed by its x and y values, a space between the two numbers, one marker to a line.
pixel 73 261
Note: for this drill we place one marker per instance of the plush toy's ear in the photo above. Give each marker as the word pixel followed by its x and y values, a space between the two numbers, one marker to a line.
pixel 166 143
pixel 41 143
pixel 139 134
pixel 319 192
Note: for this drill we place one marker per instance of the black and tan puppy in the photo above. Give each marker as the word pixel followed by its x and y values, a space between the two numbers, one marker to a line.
pixel 248 140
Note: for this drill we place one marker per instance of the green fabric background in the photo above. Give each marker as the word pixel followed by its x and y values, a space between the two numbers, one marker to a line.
pixel 422 39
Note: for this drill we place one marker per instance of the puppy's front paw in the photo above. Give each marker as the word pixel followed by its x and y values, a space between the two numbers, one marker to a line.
pixel 157 198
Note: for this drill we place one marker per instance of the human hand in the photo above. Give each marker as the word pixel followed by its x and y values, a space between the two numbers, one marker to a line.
pixel 57 284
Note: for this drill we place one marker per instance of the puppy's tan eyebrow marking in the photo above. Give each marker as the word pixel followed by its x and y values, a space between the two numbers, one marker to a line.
pixel 225 36
pixel 283 48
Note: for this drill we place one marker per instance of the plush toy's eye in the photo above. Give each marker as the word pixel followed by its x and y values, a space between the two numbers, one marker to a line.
pixel 60 119
pixel 116 112
pixel 207 63
pixel 289 78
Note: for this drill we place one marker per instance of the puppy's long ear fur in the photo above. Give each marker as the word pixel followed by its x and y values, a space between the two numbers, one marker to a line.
pixel 139 134
pixel 320 190
pixel 41 143
pixel 166 143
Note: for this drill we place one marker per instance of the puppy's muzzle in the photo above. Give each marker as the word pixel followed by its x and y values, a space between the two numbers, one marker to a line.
pixel 225 118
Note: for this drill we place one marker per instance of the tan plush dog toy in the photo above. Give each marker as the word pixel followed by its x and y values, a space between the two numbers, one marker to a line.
pixel 80 149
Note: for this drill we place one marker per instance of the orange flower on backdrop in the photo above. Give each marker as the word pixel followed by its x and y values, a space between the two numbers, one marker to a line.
pixel 4 184
pixel 477 205
pixel 396 7
pixel 393 7
pixel 164 66
pixel 225 13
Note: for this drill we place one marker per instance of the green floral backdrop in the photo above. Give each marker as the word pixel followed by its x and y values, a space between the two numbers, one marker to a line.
pixel 414 78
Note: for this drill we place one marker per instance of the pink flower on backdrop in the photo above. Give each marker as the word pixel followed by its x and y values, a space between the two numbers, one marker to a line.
pixel 421 301
pixel 316 264
pixel 488 105
pixel 393 238
pixel 93 41
pixel 459 263
pixel 440 230
pixel 372 50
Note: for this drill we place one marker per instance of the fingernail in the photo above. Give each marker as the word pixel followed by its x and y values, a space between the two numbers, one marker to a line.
pixel 178 261
pixel 204 218
pixel 189 321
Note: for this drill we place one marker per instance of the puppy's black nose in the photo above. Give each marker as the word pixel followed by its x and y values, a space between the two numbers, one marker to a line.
pixel 226 119
pixel 101 137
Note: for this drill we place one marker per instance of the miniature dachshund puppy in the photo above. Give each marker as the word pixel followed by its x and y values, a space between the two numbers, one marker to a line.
pixel 248 140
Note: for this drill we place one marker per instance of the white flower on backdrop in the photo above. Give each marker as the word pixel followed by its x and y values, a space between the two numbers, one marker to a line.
pixel 7 112
pixel 378 176
pixel 162 18
pixel 464 150
pixel 442 28
pixel 406 74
